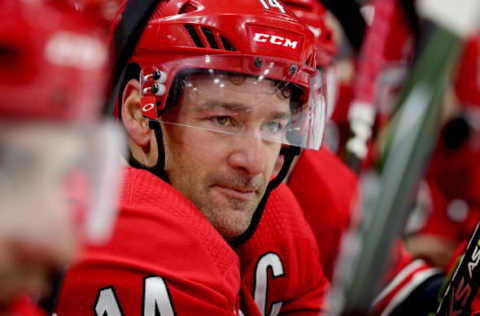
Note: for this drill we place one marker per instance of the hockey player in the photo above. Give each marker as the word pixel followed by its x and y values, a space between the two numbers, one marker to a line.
pixel 213 92
pixel 327 209
pixel 53 181
pixel 454 169
pixel 328 193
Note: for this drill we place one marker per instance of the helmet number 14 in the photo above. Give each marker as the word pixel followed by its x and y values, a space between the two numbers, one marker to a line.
pixel 268 4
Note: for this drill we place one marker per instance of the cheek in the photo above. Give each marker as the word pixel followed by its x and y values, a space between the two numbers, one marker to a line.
pixel 173 146
pixel 189 151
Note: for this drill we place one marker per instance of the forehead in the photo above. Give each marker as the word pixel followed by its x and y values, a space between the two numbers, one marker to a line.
pixel 248 93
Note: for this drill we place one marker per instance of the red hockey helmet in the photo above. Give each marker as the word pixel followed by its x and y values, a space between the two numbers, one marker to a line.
pixel 53 66
pixel 312 13
pixel 57 67
pixel 102 10
pixel 217 38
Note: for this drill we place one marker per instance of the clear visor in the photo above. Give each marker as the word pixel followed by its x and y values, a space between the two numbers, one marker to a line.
pixel 331 90
pixel 249 106
pixel 58 181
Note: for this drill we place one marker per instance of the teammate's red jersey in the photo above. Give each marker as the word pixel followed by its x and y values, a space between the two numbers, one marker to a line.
pixel 280 264
pixel 453 178
pixel 327 192
pixel 164 257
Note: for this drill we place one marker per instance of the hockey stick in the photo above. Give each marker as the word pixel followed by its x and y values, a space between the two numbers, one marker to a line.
pixel 362 110
pixel 365 252
pixel 465 280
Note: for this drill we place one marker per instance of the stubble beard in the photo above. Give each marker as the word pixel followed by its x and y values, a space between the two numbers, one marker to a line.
pixel 230 217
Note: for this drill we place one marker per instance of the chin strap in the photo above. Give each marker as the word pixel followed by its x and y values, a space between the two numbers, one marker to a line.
pixel 289 152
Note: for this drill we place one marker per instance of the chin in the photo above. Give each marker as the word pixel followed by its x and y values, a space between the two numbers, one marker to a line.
pixel 230 232
pixel 230 221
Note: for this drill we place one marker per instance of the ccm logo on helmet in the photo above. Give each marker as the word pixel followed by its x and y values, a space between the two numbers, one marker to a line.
pixel 275 40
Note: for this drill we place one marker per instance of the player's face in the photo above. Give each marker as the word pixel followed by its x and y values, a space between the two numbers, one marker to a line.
pixel 48 174
pixel 224 163
pixel 36 230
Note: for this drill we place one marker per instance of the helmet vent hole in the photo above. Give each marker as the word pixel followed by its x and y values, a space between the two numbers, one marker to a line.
pixel 193 34
pixel 187 7
pixel 210 37
pixel 205 37
pixel 226 44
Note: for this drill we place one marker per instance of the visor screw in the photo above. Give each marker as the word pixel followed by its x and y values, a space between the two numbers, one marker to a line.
pixel 156 74
pixel 292 69
pixel 154 88
pixel 257 62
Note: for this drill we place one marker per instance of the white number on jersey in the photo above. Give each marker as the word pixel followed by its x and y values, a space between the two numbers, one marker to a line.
pixel 106 303
pixel 272 4
pixel 260 291
pixel 155 298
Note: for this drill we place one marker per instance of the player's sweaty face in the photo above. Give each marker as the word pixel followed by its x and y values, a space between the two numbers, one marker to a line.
pixel 218 148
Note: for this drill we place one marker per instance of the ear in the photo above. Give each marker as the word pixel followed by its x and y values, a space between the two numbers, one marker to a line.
pixel 133 120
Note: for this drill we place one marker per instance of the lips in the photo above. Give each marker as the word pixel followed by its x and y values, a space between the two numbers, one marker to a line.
pixel 237 193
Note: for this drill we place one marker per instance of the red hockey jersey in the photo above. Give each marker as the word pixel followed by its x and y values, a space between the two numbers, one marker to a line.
pixel 456 171
pixel 453 178
pixel 280 265
pixel 164 258
pixel 327 192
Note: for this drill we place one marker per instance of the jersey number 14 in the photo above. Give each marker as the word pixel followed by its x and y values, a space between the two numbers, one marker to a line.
pixel 155 298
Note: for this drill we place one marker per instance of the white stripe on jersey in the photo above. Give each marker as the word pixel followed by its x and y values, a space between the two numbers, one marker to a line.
pixel 418 270
pixel 406 290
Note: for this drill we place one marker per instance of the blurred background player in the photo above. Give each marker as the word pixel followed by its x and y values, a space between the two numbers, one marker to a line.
pixel 329 203
pixel 56 155
pixel 328 190
pixel 207 107
pixel 435 232
pixel 102 10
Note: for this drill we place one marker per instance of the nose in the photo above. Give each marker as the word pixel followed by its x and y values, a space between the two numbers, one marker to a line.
pixel 248 155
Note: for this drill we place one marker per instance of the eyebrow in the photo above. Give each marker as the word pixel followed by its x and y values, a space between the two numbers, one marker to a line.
pixel 281 115
pixel 230 106
pixel 240 108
